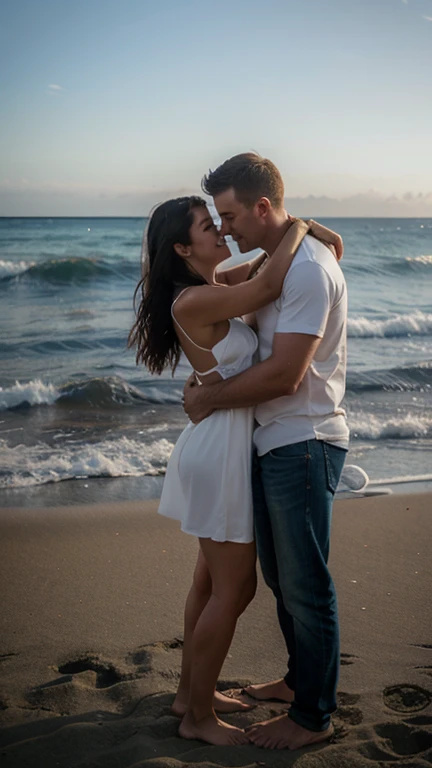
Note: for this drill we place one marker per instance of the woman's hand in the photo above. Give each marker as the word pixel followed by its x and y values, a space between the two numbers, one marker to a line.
pixel 327 236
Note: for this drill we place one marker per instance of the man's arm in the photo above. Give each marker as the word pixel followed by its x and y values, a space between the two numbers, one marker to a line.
pixel 278 376
pixel 300 327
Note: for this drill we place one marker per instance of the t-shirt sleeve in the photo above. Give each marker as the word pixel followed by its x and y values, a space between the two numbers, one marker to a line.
pixel 305 300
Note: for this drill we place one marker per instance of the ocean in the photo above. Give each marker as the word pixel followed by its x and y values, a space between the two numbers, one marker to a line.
pixel 74 405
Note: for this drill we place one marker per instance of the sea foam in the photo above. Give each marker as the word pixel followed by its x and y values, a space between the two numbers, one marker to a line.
pixel 10 269
pixel 102 392
pixel 32 393
pixel 24 466
pixel 410 426
pixel 413 324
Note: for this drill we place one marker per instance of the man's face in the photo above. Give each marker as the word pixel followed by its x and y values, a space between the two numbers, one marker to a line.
pixel 243 224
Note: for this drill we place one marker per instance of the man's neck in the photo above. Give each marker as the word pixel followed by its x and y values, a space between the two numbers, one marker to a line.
pixel 276 232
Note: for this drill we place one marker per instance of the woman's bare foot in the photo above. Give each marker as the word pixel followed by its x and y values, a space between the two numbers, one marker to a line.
pixel 221 703
pixel 276 690
pixel 212 730
pixel 283 733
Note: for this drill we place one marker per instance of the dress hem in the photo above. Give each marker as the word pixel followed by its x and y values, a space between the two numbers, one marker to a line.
pixel 200 536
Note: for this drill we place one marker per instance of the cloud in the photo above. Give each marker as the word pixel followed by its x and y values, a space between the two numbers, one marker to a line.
pixel 27 198
pixel 54 90
pixel 367 204
pixel 428 18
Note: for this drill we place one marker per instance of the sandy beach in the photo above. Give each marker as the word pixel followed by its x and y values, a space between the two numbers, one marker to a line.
pixel 91 627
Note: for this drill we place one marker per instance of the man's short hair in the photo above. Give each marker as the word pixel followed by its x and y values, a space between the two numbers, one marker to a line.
pixel 250 176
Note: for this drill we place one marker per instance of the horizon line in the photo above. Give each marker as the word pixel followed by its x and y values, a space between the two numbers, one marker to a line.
pixel 111 216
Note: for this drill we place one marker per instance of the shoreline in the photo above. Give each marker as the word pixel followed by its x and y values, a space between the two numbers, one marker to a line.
pixel 93 490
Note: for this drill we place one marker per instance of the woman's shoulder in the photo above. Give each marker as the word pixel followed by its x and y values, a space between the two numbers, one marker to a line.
pixel 190 299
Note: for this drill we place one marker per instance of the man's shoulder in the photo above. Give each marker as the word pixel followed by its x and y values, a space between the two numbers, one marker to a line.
pixel 314 271
pixel 312 249
pixel 310 258
pixel 313 256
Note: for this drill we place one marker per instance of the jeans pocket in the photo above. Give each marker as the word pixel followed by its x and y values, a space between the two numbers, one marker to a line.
pixel 290 451
pixel 334 459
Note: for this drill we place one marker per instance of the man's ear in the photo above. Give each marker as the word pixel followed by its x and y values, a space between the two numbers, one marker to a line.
pixel 263 207
pixel 182 250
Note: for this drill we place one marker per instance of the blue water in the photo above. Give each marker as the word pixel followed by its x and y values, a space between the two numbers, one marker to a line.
pixel 73 404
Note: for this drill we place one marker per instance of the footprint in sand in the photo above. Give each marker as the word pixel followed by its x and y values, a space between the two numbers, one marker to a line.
pixel 406 698
pixel 116 686
pixel 420 720
pixel 347 699
pixel 346 714
pixel 403 739
pixel 87 683
pixel 106 674
pixel 427 669
pixel 145 656
pixel 6 656
pixel 347 658
pixel 390 742
pixel 349 715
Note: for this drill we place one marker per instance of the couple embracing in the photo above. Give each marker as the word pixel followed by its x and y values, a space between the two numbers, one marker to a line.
pixel 257 466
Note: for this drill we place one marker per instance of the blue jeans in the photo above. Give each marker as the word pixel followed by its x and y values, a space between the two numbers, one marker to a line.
pixel 293 490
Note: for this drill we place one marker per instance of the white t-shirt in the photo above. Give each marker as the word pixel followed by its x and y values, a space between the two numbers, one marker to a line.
pixel 313 301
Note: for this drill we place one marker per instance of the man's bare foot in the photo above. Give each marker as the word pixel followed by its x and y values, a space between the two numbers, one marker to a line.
pixel 212 730
pixel 277 690
pixel 283 733
pixel 221 703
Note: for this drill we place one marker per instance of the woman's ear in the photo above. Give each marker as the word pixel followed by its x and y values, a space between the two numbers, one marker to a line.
pixel 182 250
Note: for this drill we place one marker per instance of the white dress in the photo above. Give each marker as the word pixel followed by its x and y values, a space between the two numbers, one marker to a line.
pixel 207 485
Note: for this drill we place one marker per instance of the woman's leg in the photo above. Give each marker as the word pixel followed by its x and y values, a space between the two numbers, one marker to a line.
pixel 233 577
pixel 197 599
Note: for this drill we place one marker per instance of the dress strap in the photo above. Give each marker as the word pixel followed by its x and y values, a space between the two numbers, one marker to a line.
pixel 204 349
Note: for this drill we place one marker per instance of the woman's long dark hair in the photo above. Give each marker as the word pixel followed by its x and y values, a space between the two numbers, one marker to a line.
pixel 163 272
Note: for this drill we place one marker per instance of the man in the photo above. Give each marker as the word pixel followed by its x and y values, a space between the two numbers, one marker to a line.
pixel 301 441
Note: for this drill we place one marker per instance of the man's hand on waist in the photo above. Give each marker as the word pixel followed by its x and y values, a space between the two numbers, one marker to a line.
pixel 197 400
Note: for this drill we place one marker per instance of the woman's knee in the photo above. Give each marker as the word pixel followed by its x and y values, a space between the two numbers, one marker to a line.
pixel 236 596
pixel 202 583
pixel 248 593
pixel 232 569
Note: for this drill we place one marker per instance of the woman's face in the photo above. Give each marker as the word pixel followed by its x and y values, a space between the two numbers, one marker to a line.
pixel 207 246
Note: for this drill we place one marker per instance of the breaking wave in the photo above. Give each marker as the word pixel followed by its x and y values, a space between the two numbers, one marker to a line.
pixel 68 270
pixel 414 324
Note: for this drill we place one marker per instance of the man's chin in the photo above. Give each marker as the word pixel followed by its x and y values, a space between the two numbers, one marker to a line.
pixel 242 245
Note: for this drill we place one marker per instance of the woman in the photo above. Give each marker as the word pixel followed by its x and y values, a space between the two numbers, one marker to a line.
pixel 185 306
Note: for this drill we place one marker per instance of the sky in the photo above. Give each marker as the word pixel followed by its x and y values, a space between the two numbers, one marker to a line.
pixel 109 106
